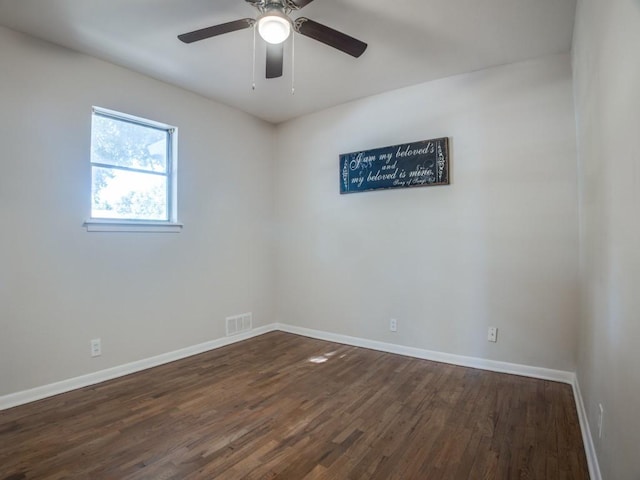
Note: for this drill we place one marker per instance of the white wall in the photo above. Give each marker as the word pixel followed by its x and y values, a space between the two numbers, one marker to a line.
pixel 142 294
pixel 499 246
pixel 606 64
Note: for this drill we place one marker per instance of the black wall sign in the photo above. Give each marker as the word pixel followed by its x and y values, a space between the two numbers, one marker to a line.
pixel 414 164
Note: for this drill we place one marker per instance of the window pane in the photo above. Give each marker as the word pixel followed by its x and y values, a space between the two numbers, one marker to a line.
pixel 126 144
pixel 128 195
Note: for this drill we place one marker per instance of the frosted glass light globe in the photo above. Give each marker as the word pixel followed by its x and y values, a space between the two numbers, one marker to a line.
pixel 274 28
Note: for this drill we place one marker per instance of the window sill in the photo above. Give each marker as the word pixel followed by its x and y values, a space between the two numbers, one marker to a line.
pixel 132 226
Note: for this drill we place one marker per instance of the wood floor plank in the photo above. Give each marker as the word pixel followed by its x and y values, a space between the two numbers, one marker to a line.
pixel 281 406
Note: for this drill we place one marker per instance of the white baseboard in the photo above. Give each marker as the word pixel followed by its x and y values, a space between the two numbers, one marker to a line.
pixel 472 362
pixel 38 393
pixel 587 439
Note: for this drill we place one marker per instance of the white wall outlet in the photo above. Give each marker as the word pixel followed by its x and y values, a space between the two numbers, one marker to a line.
pixel 600 420
pixel 96 347
pixel 492 334
pixel 393 325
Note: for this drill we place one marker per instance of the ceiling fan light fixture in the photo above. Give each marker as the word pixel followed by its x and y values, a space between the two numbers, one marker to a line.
pixel 274 27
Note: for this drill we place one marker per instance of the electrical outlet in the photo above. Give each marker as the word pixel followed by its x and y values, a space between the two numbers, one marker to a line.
pixel 600 420
pixel 492 334
pixel 96 347
pixel 393 325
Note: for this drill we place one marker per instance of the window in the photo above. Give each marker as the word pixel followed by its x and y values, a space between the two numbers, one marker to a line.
pixel 133 171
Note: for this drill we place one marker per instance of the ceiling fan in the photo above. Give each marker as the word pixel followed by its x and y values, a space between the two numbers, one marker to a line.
pixel 275 25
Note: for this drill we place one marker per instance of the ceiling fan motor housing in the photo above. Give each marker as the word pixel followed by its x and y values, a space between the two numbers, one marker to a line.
pixel 274 25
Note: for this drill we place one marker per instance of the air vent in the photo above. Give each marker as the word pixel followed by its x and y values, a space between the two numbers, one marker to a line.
pixel 239 323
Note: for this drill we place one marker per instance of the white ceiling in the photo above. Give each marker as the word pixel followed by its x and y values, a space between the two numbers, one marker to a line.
pixel 410 42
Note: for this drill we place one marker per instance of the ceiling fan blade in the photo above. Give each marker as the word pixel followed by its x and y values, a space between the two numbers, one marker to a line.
pixel 275 59
pixel 216 30
pixel 329 36
pixel 298 4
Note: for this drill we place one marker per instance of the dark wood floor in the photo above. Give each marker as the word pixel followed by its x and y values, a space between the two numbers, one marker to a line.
pixel 289 407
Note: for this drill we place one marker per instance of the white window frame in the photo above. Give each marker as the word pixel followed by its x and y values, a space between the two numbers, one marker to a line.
pixel 171 225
